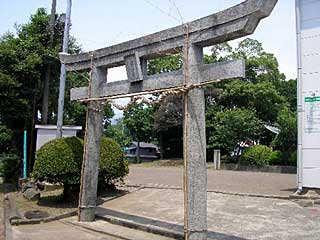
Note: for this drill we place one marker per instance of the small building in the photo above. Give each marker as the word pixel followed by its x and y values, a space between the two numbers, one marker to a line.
pixel 147 151
pixel 46 133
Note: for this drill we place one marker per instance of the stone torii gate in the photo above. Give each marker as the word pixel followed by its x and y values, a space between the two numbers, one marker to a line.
pixel 190 38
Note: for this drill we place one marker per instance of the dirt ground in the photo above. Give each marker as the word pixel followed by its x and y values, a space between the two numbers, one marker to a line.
pixel 226 181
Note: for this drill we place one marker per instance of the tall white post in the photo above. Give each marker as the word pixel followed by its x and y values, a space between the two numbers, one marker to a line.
pixel 63 70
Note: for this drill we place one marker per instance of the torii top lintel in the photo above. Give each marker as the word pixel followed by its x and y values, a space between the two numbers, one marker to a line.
pixel 232 23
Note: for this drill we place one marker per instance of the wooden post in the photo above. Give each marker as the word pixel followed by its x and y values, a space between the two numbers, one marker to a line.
pixel 90 168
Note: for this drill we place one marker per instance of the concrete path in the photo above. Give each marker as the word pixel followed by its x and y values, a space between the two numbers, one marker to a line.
pixel 226 181
pixel 70 229
pixel 229 217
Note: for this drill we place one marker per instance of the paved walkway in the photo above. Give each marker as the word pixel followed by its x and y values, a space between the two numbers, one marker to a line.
pixel 229 217
pixel 226 181
pixel 70 229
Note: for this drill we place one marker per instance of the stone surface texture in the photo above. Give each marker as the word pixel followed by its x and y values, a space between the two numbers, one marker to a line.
pixel 209 72
pixel 232 23
pixel 94 130
pixel 31 194
pixel 229 217
pixel 196 176
pixel 98 230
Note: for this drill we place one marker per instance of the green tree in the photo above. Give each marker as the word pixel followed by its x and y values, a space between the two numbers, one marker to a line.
pixel 139 120
pixel 286 140
pixel 262 96
pixel 260 65
pixel 228 127
pixel 288 89
pixel 23 60
pixel 6 139
pixel 165 64
pixel 119 133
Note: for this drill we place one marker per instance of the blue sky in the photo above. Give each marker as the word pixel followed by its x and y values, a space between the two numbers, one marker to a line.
pixel 100 23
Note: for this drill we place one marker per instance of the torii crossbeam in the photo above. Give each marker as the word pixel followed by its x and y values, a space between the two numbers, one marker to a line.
pixel 190 38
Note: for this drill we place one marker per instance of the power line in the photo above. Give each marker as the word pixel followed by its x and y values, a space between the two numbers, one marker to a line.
pixel 173 2
pixel 163 11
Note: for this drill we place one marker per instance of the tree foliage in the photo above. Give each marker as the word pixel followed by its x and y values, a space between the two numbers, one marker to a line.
pixel 138 118
pixel 119 133
pixel 256 155
pixel 228 127
pixel 263 97
pixel 286 140
pixel 24 57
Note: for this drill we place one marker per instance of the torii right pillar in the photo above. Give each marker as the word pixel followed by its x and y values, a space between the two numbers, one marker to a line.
pixel 195 178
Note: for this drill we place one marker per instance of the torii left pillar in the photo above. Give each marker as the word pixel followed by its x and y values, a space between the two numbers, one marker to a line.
pixel 94 129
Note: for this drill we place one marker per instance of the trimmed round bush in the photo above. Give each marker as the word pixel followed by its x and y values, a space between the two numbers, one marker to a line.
pixel 59 161
pixel 275 158
pixel 113 166
pixel 256 155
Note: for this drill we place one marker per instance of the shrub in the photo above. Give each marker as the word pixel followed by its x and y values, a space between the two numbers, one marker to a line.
pixel 6 136
pixel 275 158
pixel 293 159
pixel 113 166
pixel 59 161
pixel 9 167
pixel 256 155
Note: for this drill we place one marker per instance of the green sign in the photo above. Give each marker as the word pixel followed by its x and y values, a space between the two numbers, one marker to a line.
pixel 312 99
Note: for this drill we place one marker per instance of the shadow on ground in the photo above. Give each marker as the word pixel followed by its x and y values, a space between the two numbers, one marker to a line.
pixel 103 213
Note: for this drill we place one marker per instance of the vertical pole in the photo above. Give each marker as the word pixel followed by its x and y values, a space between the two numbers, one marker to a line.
pixel 195 150
pixel 91 154
pixel 46 92
pixel 67 25
pixel 25 154
pixel 216 159
pixel 299 98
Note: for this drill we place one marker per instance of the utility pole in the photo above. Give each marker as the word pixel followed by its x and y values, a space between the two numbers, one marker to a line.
pixel 46 92
pixel 67 25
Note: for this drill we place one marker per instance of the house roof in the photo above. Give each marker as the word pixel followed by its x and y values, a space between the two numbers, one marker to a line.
pixel 144 145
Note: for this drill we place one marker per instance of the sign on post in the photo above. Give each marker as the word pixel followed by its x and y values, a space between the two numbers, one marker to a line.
pixel 308 39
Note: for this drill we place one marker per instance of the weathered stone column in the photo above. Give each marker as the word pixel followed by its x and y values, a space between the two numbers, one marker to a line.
pixel 196 175
pixel 88 194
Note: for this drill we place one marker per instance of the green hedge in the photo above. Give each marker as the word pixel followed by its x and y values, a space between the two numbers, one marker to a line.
pixel 256 155
pixel 113 166
pixel 275 158
pixel 59 161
